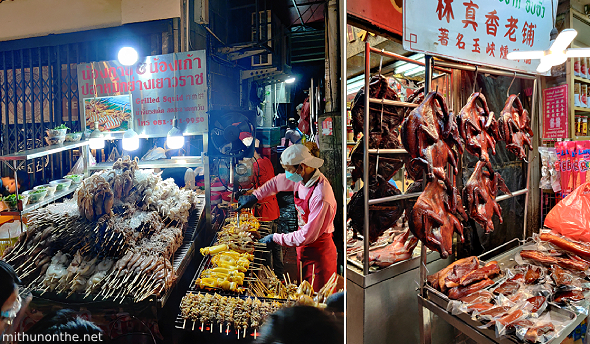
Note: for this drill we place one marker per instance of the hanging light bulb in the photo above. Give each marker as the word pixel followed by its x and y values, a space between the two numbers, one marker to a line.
pixel 96 138
pixel 127 56
pixel 130 139
pixel 174 139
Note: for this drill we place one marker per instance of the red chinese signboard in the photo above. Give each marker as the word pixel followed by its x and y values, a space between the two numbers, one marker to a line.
pixel 555 109
pixel 385 14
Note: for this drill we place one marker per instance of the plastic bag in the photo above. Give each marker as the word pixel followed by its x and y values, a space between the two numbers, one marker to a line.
pixel 154 154
pixel 114 155
pixel 571 216
pixel 540 331
pixel 477 299
pixel 79 165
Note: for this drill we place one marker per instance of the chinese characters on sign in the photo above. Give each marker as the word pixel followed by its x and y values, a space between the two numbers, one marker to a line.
pixel 478 31
pixel 147 95
pixel 555 108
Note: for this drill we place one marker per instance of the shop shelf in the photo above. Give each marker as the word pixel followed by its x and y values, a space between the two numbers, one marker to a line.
pixel 30 207
pixel 577 78
pixel 582 138
pixel 162 163
pixel 581 109
pixel 350 143
pixel 43 151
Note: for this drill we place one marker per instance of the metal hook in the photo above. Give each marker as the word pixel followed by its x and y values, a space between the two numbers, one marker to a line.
pixel 474 80
pixel 508 91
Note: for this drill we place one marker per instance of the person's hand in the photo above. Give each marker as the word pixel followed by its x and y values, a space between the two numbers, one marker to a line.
pixel 247 201
pixel 267 239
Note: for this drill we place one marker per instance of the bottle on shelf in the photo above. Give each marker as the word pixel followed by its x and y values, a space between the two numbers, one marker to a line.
pixel 578 125
pixel 583 67
pixel 576 66
pixel 576 94
pixel 585 126
pixel 583 96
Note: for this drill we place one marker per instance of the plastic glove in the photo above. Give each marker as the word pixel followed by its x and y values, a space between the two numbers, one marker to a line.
pixel 267 239
pixel 247 201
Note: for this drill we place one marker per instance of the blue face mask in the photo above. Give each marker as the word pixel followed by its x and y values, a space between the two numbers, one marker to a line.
pixel 294 177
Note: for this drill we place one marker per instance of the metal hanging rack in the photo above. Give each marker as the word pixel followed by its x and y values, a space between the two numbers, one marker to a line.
pixel 430 64
pixel 425 328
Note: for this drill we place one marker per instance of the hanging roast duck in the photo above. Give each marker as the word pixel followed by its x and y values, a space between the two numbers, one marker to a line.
pixel 384 120
pixel 429 134
pixel 478 127
pixel 479 195
pixel 515 126
pixel 433 221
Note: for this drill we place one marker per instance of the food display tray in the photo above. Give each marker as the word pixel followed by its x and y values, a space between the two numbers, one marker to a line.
pixel 180 262
pixel 437 303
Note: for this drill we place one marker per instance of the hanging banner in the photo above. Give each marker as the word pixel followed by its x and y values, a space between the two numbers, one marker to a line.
pixel 480 32
pixel 555 108
pixel 146 96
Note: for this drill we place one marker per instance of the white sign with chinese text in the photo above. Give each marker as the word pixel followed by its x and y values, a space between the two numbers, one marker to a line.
pixel 480 32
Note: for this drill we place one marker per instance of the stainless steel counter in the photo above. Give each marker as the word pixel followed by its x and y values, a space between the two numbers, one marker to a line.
pixel 382 307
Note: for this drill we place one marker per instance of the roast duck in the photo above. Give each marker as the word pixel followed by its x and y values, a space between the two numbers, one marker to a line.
pixel 479 195
pixel 429 134
pixel 387 166
pixel 381 216
pixel 384 120
pixel 400 249
pixel 478 127
pixel 515 127
pixel 433 221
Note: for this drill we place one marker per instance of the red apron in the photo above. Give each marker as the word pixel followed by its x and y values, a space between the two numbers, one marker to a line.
pixel 318 257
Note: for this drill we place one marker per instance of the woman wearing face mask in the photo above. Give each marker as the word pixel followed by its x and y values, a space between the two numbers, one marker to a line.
pixel 316 209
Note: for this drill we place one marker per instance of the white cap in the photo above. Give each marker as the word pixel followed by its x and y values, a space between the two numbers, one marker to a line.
pixel 299 154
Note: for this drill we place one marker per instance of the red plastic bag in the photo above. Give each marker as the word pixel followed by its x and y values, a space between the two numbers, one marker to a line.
pixel 571 216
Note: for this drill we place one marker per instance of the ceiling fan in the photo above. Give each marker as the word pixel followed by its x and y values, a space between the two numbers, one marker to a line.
pixel 556 54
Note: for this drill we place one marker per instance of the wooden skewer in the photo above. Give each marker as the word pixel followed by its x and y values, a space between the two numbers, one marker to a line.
pixel 300 271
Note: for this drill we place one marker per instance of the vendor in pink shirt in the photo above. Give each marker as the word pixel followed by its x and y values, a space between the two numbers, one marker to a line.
pixel 316 209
